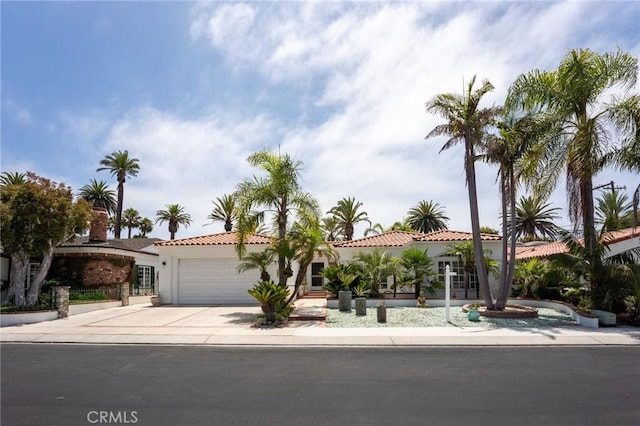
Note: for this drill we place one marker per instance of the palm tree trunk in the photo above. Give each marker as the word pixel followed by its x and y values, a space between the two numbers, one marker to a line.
pixel 116 231
pixel 282 233
pixel 512 238
pixel 483 277
pixel 501 302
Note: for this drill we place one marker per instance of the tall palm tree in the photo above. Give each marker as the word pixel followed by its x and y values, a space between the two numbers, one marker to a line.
pixel 224 210
pixel 130 219
pixel 427 216
pixel 534 219
pixel 572 97
pixel 347 214
pixel 120 165
pixel 330 228
pixel 99 195
pixel 375 229
pixel 279 193
pixel 175 216
pixel 146 226
pixel 12 178
pixel 613 211
pixel 467 123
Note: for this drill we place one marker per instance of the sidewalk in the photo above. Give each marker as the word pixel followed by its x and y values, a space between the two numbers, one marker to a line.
pixel 224 326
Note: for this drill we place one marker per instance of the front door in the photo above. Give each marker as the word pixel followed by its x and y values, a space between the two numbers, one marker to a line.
pixel 317 280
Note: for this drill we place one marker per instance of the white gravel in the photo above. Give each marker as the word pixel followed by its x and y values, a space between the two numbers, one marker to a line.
pixel 434 317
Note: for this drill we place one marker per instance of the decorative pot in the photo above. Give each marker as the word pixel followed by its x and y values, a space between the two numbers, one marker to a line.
pixel 155 301
pixel 361 306
pixel 382 313
pixel 344 301
pixel 473 315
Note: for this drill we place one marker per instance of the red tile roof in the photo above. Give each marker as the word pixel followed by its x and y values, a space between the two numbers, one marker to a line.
pixel 387 239
pixel 447 235
pixel 544 250
pixel 225 238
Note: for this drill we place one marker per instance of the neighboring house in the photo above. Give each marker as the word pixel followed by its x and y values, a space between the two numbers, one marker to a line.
pixel 95 261
pixel 202 270
pixel 617 241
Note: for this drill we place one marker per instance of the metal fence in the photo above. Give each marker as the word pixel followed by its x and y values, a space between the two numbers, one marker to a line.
pixel 143 290
pixel 80 295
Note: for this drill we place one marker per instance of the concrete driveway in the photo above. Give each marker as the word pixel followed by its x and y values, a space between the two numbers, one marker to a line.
pixel 232 325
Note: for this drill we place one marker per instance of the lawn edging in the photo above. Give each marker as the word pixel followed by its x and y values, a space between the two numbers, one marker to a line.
pixel 8 319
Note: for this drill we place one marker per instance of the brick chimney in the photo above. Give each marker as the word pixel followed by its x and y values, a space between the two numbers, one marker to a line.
pixel 98 231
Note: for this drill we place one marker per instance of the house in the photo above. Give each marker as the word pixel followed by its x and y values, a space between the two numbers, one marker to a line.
pixel 618 242
pixel 202 270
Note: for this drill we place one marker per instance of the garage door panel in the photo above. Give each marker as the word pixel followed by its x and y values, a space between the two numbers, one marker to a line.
pixel 213 281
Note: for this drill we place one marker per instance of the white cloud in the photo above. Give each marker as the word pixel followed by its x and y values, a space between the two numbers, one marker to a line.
pixel 19 113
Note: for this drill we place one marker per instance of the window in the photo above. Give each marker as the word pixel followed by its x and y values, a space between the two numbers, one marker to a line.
pixel 146 276
pixel 457 281
pixel 317 280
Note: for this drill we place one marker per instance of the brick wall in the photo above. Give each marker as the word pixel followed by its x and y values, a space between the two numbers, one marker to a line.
pixel 91 269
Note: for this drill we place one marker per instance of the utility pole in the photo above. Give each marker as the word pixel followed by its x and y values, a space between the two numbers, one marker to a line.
pixel 611 186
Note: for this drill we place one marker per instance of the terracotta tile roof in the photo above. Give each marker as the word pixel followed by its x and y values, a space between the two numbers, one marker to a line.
pixel 541 250
pixel 225 238
pixel 448 235
pixel 387 239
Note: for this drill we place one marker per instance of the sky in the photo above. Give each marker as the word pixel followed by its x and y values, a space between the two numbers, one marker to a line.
pixel 192 89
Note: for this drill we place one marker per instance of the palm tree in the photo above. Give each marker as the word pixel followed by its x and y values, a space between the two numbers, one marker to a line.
pixel 376 229
pixel 467 123
pixel 417 266
pixel 130 219
pixel 347 214
pixel 427 216
pixel 257 260
pixel 224 210
pixel 146 226
pixel 330 228
pixel 613 211
pixel 120 165
pixel 375 266
pixel 98 194
pixel 534 219
pixel 175 216
pixel 12 178
pixel 279 193
pixel 572 98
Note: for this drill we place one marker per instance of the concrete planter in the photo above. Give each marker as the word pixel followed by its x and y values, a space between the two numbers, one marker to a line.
pixel 605 319
pixel 11 318
pixel 344 301
pixel 155 301
pixel 361 306
pixel 381 312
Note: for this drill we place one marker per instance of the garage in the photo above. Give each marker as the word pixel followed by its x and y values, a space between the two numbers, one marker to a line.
pixel 213 281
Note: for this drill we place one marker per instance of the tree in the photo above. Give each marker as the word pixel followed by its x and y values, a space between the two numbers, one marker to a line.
pixel 175 216
pixel 257 260
pixel 613 211
pixel 330 228
pixel 278 193
pixel 98 194
pixel 375 266
pixel 534 219
pixel 489 230
pixel 572 98
pixel 145 226
pixel 12 178
pixel 427 216
pixel 35 217
pixel 224 210
pixel 417 267
pixel 375 229
pixel 131 219
pixel 120 165
pixel 347 214
pixel 466 122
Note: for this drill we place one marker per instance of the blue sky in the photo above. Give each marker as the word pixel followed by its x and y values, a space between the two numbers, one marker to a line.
pixel 191 89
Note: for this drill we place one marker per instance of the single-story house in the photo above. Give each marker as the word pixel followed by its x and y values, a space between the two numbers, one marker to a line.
pixel 202 270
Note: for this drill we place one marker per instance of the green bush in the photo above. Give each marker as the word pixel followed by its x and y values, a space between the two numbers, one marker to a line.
pixel 88 296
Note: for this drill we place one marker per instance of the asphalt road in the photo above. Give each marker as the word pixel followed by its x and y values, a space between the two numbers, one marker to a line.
pixel 165 385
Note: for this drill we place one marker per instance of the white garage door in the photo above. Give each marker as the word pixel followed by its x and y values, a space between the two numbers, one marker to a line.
pixel 213 281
